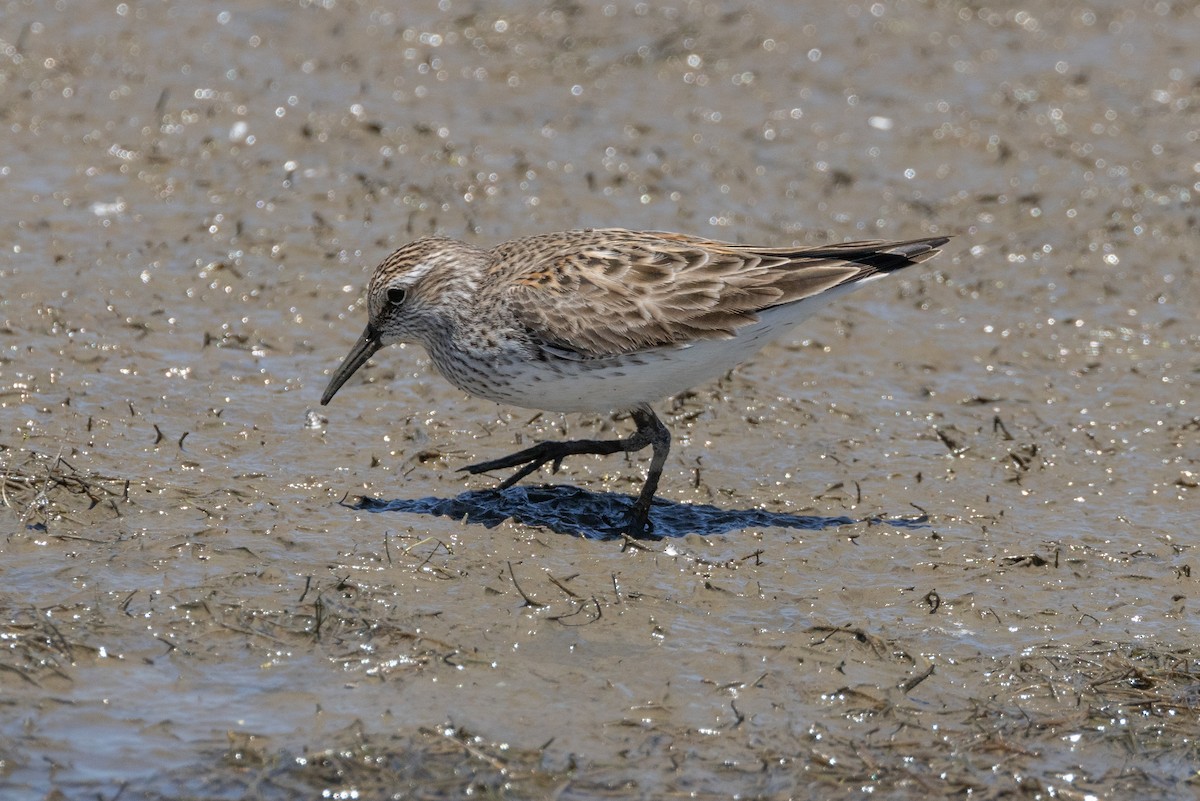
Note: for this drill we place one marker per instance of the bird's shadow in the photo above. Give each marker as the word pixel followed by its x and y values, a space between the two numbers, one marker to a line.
pixel 597 515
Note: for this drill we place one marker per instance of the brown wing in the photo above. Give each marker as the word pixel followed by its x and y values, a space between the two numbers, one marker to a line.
pixel 609 291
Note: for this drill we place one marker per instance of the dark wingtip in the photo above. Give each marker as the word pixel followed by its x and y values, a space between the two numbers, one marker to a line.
pixel 918 248
pixel 898 255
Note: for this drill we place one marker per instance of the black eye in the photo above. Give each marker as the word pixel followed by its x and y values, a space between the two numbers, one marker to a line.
pixel 395 295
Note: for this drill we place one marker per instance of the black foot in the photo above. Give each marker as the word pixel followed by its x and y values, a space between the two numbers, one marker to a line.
pixel 650 431
pixel 532 459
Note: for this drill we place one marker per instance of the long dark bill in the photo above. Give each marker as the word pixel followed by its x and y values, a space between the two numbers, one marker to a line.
pixel 363 349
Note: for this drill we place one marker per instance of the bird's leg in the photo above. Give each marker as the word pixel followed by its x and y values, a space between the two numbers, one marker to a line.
pixel 659 438
pixel 650 431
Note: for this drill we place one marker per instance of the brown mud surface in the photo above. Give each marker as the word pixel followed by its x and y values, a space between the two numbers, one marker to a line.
pixel 937 543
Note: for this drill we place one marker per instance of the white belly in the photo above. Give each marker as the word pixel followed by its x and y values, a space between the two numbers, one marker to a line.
pixel 622 382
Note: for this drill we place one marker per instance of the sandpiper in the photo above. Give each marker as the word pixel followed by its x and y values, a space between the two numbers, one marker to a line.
pixel 601 320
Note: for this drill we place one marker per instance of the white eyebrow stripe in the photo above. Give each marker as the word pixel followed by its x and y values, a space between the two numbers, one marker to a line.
pixel 417 272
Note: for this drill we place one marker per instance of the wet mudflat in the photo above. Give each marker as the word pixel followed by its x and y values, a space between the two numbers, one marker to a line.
pixel 939 541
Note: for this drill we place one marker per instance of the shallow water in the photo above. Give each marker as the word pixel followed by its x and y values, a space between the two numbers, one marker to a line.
pixel 987 467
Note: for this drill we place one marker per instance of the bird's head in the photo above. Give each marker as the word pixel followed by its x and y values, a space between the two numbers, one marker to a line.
pixel 408 298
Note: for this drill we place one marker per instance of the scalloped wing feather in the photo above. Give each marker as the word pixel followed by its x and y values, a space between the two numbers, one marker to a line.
pixel 611 291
